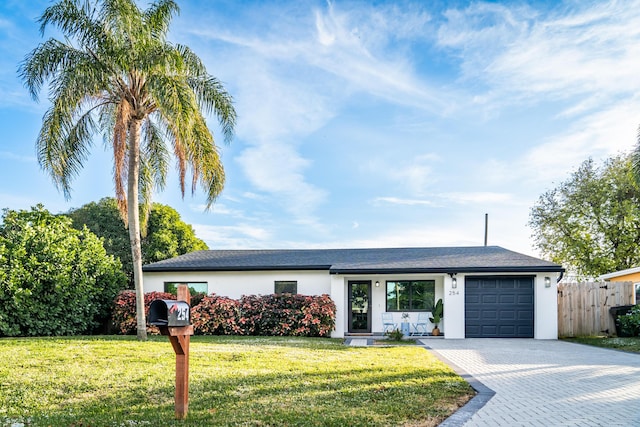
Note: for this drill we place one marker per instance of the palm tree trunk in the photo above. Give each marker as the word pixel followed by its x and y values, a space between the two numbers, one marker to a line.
pixel 133 217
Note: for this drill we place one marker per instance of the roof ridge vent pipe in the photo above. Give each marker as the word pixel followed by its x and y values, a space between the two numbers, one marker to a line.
pixel 486 228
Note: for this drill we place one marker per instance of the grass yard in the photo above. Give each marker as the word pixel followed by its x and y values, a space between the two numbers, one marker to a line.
pixel 250 381
pixel 627 344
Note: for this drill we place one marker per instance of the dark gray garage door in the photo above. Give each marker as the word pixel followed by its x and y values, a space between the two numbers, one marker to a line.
pixel 499 307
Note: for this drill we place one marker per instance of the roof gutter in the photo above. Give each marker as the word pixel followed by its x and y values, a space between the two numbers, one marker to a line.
pixel 150 269
pixel 539 269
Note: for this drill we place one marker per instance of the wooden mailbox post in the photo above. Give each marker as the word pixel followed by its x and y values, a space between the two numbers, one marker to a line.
pixel 174 320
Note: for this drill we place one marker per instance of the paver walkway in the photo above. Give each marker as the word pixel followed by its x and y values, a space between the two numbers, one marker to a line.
pixel 547 383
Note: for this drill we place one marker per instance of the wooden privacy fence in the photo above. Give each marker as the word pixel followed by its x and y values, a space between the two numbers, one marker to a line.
pixel 583 308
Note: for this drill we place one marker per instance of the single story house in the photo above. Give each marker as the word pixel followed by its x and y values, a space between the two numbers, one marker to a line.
pixel 628 275
pixel 487 291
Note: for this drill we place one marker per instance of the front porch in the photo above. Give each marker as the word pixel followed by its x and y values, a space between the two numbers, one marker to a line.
pixel 409 300
pixel 380 340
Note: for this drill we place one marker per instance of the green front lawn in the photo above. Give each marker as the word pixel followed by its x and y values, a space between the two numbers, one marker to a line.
pixel 627 344
pixel 253 381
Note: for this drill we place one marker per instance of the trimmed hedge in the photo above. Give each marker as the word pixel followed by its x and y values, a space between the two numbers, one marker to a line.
pixel 216 315
pixel 277 314
pixel 124 311
pixel 287 314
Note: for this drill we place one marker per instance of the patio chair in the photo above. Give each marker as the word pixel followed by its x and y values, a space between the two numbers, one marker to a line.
pixel 388 324
pixel 420 327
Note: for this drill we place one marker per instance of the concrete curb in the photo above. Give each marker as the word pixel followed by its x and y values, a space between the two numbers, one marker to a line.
pixel 484 394
pixel 464 414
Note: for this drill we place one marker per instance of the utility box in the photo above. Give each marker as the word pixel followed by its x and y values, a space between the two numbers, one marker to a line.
pixel 166 312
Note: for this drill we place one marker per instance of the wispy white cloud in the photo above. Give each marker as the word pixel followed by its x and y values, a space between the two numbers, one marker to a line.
pixel 601 134
pixel 478 197
pixel 353 45
pixel 17 157
pixel 278 169
pixel 218 208
pixel 401 201
pixel 415 175
pixel 524 55
pixel 582 56
pixel 417 235
pixel 240 236
pixel 353 42
pixel 444 199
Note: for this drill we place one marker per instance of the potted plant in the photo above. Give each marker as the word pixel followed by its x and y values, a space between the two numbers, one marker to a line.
pixel 437 313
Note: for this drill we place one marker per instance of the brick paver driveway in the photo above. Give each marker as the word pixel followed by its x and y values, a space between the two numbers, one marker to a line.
pixel 547 383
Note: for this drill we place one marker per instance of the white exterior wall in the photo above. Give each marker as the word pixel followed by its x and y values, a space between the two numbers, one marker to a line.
pixel 339 297
pixel 454 307
pixel 234 284
pixel 546 307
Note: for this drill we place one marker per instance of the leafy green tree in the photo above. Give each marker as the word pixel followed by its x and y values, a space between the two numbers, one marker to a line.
pixel 115 73
pixel 54 279
pixel 166 236
pixel 103 219
pixel 591 222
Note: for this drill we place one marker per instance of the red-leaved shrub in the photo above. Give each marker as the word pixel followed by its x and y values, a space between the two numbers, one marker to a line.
pixel 287 314
pixel 216 315
pixel 124 311
pixel 276 314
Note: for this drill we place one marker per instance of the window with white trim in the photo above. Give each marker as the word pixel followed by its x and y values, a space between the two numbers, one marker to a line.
pixel 286 287
pixel 194 287
pixel 410 295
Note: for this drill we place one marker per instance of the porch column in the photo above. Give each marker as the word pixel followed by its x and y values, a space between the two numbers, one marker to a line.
pixel 338 292
pixel 546 307
pixel 453 307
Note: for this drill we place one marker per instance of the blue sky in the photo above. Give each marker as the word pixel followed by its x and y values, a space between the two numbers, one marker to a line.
pixel 372 124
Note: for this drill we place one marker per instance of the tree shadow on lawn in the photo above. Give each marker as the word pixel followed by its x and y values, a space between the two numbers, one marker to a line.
pixel 300 398
pixel 285 341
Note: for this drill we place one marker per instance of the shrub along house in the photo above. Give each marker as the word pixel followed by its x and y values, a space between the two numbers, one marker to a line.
pixel 488 291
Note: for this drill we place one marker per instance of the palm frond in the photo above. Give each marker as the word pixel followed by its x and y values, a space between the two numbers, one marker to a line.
pixel 73 17
pixel 63 145
pixel 154 160
pixel 214 98
pixel 156 151
pixel 44 62
pixel 120 155
pixel 158 17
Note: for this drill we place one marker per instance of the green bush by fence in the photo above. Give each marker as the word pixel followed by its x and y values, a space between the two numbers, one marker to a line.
pixel 630 322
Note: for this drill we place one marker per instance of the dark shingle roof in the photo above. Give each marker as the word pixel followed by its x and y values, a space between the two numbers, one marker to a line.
pixel 361 261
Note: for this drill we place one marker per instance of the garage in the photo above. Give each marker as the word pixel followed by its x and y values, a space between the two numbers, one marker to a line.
pixel 499 307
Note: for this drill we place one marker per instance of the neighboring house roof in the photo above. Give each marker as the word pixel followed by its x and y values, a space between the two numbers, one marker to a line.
pixel 618 274
pixel 360 261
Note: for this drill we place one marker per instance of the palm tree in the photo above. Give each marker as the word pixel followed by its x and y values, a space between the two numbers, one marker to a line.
pixel 115 74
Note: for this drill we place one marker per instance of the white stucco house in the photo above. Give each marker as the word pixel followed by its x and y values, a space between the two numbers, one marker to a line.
pixel 487 291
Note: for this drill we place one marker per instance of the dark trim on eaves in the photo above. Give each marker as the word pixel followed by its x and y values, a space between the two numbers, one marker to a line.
pixel 231 268
pixel 539 269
